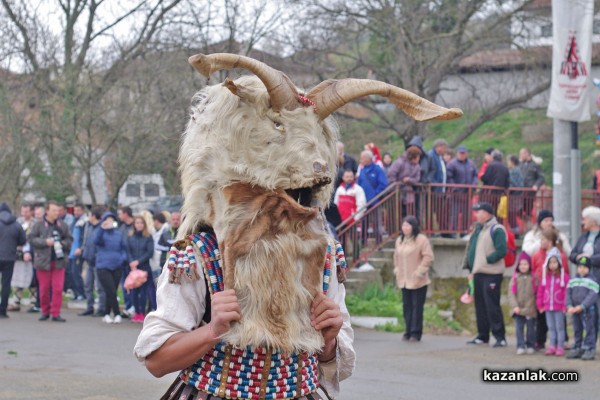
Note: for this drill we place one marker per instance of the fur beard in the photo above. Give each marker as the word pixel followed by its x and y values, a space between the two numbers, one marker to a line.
pixel 274 255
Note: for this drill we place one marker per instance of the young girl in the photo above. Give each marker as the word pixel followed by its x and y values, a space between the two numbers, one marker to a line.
pixel 521 296
pixel 549 238
pixel 551 299
pixel 140 249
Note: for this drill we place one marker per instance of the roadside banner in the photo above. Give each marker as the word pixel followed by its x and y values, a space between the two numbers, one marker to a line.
pixel 572 22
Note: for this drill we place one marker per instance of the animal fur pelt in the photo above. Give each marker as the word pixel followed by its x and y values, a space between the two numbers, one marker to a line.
pixel 274 253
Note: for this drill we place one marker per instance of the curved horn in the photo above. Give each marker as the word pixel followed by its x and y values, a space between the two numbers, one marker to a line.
pixel 282 91
pixel 332 94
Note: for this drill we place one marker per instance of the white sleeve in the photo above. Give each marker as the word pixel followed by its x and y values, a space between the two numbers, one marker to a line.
pixel 180 309
pixel 340 368
pixel 531 243
pixel 336 196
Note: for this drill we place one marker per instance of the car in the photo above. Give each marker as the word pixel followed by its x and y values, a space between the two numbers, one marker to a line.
pixel 167 203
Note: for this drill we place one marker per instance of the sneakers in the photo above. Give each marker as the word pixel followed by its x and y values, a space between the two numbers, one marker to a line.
pixel 559 352
pixel 550 351
pixel 530 350
pixel 107 319
pixel 520 351
pixel 500 343
pixel 44 317
pixel 138 318
pixel 34 309
pixel 58 319
pixel 14 307
pixel 118 319
pixel 86 313
pixel 589 355
pixel 575 353
pixel 477 341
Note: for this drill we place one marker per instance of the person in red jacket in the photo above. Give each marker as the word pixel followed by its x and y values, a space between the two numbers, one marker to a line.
pixel 350 198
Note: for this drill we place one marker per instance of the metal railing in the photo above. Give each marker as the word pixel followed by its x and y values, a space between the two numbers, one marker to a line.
pixel 442 210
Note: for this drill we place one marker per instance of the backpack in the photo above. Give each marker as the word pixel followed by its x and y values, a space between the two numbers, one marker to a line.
pixel 511 254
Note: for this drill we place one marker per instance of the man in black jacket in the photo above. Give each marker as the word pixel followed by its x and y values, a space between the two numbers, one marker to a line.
pixel 12 236
pixel 496 174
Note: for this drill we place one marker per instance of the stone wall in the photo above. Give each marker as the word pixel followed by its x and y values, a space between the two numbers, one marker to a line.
pixel 449 280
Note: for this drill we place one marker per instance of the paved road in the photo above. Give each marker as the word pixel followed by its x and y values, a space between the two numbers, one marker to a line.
pixel 86 359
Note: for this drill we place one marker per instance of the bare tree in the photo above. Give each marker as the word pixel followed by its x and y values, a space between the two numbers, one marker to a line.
pixel 109 78
pixel 417 45
pixel 74 68
pixel 19 159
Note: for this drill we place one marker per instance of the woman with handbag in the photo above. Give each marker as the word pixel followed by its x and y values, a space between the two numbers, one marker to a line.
pixel 413 258
pixel 140 249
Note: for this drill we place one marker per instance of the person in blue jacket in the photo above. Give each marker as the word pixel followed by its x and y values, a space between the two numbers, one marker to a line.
pixel 140 249
pixel 111 258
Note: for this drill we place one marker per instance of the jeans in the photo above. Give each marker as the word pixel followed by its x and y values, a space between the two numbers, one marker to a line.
pixel 413 301
pixel 556 327
pixel 6 269
pixel 585 320
pixel 522 340
pixel 91 280
pixel 109 279
pixel 51 280
pixel 127 296
pixel 76 279
pixel 487 306
pixel 142 293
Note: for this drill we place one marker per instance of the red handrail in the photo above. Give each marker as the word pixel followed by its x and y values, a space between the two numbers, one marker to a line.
pixel 442 209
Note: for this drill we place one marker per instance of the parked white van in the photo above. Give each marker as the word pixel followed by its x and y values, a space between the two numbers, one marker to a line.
pixel 140 191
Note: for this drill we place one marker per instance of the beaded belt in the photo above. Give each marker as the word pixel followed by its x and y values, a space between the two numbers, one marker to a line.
pixel 230 372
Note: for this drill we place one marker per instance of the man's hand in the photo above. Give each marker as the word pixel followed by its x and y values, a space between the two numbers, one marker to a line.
pixel 50 242
pixel 77 252
pixel 575 310
pixel 517 310
pixel 27 257
pixel 134 264
pixel 224 310
pixel 325 316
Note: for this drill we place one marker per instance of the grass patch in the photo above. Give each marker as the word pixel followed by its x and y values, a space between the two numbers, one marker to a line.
pixel 387 302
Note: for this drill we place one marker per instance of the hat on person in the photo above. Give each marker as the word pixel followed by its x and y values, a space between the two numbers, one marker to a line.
pixel 485 206
pixel 489 150
pixel 108 214
pixel 513 281
pixel 585 261
pixel 543 214
pixel 554 252
pixel 461 149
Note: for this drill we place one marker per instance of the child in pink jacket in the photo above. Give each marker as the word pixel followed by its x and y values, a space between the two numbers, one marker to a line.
pixel 551 299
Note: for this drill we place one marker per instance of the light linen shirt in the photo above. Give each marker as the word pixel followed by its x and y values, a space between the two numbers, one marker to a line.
pixel 181 309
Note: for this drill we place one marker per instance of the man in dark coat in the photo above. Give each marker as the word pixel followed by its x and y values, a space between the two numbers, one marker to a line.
pixel 533 178
pixel 344 162
pixel 12 236
pixel 496 174
pixel 461 171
